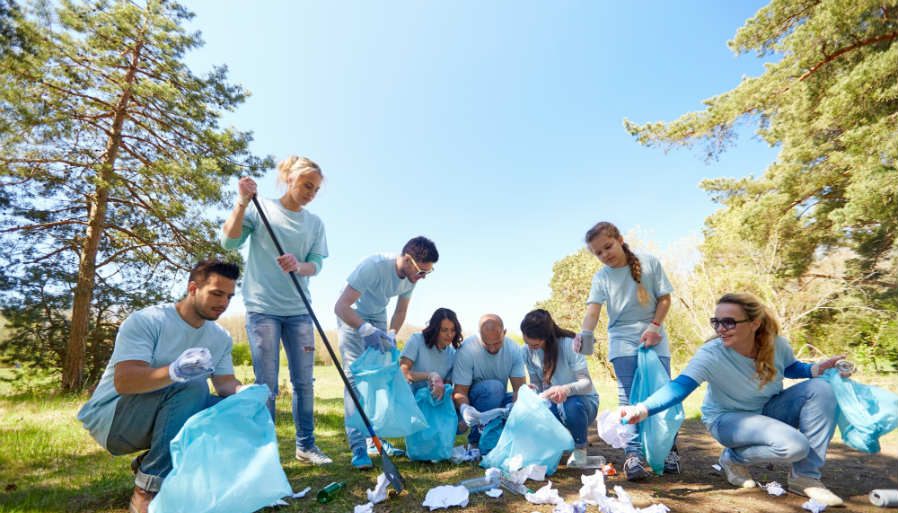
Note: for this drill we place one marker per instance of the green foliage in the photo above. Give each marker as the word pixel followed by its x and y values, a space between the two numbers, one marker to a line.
pixel 830 200
pixel 241 354
pixel 111 156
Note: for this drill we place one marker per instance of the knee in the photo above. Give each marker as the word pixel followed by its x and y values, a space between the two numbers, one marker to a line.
pixel 192 394
pixel 794 448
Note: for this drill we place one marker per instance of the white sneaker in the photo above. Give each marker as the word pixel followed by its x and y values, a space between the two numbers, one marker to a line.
pixel 813 489
pixel 577 458
pixel 736 474
pixel 313 455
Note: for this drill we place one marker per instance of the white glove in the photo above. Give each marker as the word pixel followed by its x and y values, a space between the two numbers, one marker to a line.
pixel 194 363
pixel 470 415
pixel 633 414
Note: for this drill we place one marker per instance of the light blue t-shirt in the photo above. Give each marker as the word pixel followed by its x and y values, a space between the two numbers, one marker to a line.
pixel 428 359
pixel 266 288
pixel 627 319
pixel 473 363
pixel 733 384
pixel 376 279
pixel 569 363
pixel 156 335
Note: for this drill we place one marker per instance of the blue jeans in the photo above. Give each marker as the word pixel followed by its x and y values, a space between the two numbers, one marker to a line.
pixel 794 427
pixel 351 347
pixel 625 369
pixel 151 421
pixel 577 413
pixel 265 334
pixel 486 395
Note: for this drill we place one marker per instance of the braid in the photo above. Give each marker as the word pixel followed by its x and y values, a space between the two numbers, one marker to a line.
pixel 636 272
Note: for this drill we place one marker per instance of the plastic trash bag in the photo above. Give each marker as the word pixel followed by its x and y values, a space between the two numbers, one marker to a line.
pixel 225 459
pixel 864 412
pixel 434 443
pixel 385 395
pixel 657 433
pixel 531 432
pixel 489 435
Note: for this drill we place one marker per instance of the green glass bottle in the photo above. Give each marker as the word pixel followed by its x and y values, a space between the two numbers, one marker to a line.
pixel 330 491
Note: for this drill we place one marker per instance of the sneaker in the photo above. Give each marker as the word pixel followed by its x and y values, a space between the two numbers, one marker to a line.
pixel 672 463
pixel 813 489
pixel 388 448
pixel 140 500
pixel 634 469
pixel 736 474
pixel 313 455
pixel 577 458
pixel 361 461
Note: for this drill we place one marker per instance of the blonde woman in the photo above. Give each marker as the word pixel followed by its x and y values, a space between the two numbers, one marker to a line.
pixel 274 311
pixel 746 408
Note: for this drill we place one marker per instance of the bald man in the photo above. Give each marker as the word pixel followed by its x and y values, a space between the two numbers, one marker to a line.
pixel 484 364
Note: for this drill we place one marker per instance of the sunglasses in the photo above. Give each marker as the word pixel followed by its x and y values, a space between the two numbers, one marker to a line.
pixel 420 272
pixel 727 323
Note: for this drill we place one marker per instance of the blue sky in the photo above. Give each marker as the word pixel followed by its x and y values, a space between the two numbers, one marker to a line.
pixel 494 128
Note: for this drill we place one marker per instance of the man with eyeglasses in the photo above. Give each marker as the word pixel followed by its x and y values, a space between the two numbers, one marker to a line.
pixel 362 318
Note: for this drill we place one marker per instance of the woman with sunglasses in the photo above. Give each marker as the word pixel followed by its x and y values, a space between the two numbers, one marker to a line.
pixel 746 408
pixel 274 312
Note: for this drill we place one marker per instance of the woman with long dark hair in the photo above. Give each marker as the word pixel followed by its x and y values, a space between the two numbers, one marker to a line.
pixel 560 375
pixel 428 356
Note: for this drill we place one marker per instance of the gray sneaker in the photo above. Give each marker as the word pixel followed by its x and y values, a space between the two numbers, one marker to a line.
pixel 672 463
pixel 313 455
pixel 813 488
pixel 634 469
pixel 736 474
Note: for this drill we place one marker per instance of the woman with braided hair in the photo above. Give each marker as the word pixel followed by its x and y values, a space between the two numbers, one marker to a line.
pixel 637 294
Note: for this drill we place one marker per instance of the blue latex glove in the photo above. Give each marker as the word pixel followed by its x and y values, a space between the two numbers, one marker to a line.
pixel 194 363
pixel 376 337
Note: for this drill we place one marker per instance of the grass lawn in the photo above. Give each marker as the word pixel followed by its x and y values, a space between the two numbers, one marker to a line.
pixel 48 462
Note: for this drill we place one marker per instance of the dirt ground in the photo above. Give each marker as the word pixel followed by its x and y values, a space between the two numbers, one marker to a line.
pixel 701 489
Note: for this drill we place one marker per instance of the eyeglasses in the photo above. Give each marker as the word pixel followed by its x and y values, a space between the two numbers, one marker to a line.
pixel 420 272
pixel 728 323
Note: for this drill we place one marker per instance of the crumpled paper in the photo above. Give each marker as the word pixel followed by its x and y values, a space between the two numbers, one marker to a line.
pixel 364 508
pixel 297 495
pixel 379 493
pixel 773 488
pixel 814 506
pixel 518 474
pixel 461 454
pixel 577 507
pixel 302 493
pixel 614 433
pixel 494 492
pixel 545 495
pixel 593 490
pixel 446 496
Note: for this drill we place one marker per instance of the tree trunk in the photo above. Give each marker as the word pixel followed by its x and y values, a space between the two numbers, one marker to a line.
pixel 73 366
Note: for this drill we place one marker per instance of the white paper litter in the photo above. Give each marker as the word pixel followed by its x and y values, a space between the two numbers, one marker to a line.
pixel 446 496
pixel 494 492
pixel 813 506
pixel 614 433
pixel 717 467
pixel 545 495
pixel 364 508
pixel 493 474
pixel 773 488
pixel 593 490
pixel 533 471
pixel 379 493
pixel 514 463
pixel 277 503
pixel 577 507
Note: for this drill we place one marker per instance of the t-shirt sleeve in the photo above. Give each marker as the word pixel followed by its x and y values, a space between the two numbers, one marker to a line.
pixel 517 364
pixel 784 352
pixel 408 294
pixel 363 277
pixel 575 360
pixel 319 245
pixel 535 378
pixel 597 291
pixel 412 347
pixel 137 337
pixel 225 364
pixel 700 367
pixel 662 284
pixel 463 370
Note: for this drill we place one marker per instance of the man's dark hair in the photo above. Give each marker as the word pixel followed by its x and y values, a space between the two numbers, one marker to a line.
pixel 422 250
pixel 201 271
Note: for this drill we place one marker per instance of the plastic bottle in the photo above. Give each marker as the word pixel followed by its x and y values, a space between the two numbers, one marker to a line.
pixel 480 484
pixel 845 366
pixel 330 491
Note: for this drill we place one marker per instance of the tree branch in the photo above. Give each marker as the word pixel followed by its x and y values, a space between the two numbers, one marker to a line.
pixel 878 39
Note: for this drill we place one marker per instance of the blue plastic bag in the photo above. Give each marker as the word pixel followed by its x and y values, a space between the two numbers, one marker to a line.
pixel 225 459
pixel 658 432
pixel 864 412
pixel 434 443
pixel 385 396
pixel 532 432
pixel 489 435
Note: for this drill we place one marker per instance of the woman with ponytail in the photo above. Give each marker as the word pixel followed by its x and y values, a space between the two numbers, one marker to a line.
pixel 746 408
pixel 560 375
pixel 637 294
pixel 274 312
